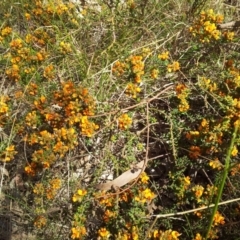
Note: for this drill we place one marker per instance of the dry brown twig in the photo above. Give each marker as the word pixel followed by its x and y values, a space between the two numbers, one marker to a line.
pixel 232 24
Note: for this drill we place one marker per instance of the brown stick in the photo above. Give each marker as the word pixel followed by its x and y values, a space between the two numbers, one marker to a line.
pixel 233 24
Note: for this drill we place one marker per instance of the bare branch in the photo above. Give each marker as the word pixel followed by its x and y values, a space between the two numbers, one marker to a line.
pixel 233 24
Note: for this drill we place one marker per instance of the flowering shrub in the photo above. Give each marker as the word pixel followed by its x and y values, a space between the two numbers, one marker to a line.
pixel 90 91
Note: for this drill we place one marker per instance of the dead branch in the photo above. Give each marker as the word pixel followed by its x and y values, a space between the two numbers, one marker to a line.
pixel 233 24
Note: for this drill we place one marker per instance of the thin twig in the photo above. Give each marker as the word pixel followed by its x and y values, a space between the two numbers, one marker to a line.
pixel 194 210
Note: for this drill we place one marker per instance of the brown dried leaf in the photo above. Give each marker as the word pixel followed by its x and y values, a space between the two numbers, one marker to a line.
pixel 123 179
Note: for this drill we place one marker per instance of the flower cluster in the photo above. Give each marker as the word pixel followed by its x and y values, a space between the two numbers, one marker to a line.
pixel 119 68
pixel 47 12
pixel 132 200
pixel 75 101
pixel 5 32
pixel 154 73
pixel 124 121
pixel 164 55
pixel 210 135
pixel 3 105
pixel 182 93
pixel 88 128
pixel 103 233
pixel 53 187
pixel 48 72
pixel 71 107
pixel 216 164
pixel 144 195
pixel 78 225
pixel 134 66
pixel 205 27
pixel 198 192
pixel 218 219
pixel 144 178
pixel 207 84
pixel 132 90
pixel 40 221
pixel 49 190
pixel 194 152
pixel 168 234
pixel 182 187
pixel 44 192
pixel 46 109
pixel 8 154
pixel 132 233
pixel 137 67
pixel 175 66
pixel 65 48
pixel 78 232
pixel 78 196
pixel 51 146
pixel 4 110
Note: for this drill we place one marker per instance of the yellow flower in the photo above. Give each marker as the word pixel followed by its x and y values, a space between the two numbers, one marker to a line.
pixel 3 105
pixel 237 123
pixel 75 233
pixel 9 153
pixel 175 66
pixel 154 74
pixel 40 222
pixel 198 214
pixel 218 219
pixel 183 106
pixel 78 232
pixel 146 52
pixel 13 72
pixel 215 164
pixel 229 35
pixel 65 47
pixel 48 72
pixel 27 16
pixel 123 236
pixel 79 195
pixel 119 68
pixel 209 27
pixel 144 196
pixel 187 182
pixel 148 194
pixel 16 43
pixel 55 183
pixel 198 189
pixel 204 125
pixel 234 151
pixel 134 233
pixel 155 234
pixel 6 31
pixel 108 214
pixel 164 55
pixel 103 232
pixel 144 178
pixel 38 189
pixel 175 235
pixel 87 127
pixel 132 90
pixel 31 169
pixel 198 237
pixel 169 234
pixel 124 121
pixel 137 67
